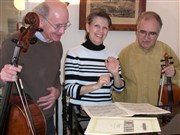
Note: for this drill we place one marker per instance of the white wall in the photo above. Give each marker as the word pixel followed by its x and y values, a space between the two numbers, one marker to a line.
pixel 169 11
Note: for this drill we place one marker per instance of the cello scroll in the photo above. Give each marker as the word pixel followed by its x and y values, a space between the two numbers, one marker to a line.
pixel 27 34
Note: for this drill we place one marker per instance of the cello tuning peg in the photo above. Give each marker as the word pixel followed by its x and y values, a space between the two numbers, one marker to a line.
pixel 14 41
pixel 22 29
pixel 170 57
pixel 33 40
pixel 40 29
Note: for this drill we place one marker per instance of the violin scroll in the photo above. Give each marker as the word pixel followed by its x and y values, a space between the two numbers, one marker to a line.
pixel 167 60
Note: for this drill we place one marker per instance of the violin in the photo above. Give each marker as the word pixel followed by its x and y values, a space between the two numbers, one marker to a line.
pixel 19 115
pixel 169 95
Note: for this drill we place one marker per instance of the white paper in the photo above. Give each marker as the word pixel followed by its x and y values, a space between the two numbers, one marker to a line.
pixel 121 125
pixel 118 109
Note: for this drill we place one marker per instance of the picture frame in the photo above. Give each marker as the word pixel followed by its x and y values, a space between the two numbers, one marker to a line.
pixel 123 13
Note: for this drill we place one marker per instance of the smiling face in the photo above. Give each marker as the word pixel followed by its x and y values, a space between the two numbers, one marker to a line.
pixel 98 30
pixel 54 25
pixel 147 33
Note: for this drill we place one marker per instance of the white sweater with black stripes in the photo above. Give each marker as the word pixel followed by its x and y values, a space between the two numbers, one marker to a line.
pixel 83 66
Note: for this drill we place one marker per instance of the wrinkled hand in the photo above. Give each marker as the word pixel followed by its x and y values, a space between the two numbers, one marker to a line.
pixel 103 80
pixel 169 71
pixel 48 101
pixel 9 73
pixel 112 64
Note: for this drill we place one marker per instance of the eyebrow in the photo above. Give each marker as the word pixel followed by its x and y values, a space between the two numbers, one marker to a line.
pixel 151 32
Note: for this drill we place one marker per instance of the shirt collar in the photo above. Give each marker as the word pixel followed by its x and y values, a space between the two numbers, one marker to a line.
pixel 89 45
pixel 40 36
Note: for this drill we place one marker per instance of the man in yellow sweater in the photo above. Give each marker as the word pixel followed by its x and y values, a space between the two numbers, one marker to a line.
pixel 141 65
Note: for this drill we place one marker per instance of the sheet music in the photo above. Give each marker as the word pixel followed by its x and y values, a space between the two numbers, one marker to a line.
pixel 106 110
pixel 118 109
pixel 122 125
pixel 142 108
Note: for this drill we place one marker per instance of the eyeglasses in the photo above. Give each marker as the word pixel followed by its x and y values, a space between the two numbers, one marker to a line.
pixel 150 34
pixel 57 26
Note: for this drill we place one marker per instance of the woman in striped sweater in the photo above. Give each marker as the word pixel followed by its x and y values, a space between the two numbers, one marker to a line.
pixel 91 70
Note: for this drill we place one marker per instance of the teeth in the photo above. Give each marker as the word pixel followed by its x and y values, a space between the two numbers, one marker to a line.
pixel 99 35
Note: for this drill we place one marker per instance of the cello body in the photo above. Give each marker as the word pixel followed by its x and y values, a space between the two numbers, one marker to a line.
pixel 17 121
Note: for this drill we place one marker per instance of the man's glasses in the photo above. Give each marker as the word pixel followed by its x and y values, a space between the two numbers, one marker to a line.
pixel 57 26
pixel 146 33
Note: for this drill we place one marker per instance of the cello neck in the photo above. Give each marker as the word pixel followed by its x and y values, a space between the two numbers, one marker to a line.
pixel 4 111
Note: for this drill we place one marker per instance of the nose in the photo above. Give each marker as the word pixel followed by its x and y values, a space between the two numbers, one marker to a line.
pixel 101 30
pixel 62 30
pixel 147 36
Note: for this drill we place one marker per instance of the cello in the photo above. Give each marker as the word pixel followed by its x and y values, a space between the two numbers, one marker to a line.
pixel 18 114
pixel 169 95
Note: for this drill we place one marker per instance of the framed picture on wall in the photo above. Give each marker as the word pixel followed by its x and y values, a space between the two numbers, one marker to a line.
pixel 123 13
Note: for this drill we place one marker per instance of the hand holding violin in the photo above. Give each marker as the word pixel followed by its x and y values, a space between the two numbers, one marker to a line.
pixel 169 71
pixel 169 93
pixel 9 73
